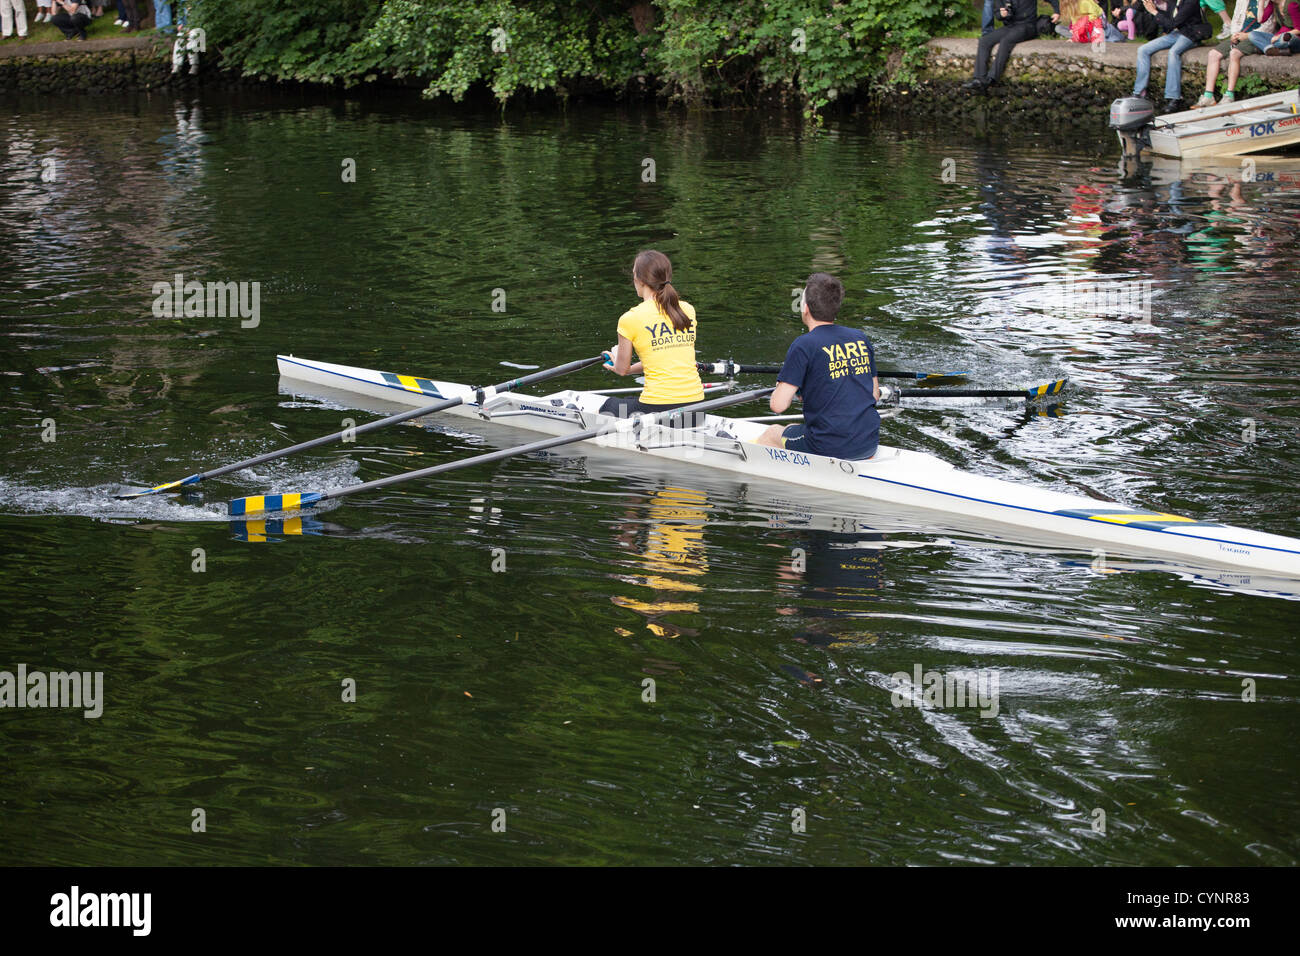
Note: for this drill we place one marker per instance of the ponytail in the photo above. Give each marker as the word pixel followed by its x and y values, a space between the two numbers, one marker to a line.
pixel 653 269
pixel 666 299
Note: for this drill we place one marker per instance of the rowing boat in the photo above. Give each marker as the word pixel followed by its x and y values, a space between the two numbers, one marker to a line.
pixel 893 477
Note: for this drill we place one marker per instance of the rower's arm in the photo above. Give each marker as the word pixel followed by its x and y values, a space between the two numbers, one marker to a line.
pixel 875 386
pixel 782 397
pixel 623 358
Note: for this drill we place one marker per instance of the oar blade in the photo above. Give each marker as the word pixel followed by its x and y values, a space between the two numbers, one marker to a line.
pixel 192 479
pixel 928 376
pixel 264 504
pixel 1036 392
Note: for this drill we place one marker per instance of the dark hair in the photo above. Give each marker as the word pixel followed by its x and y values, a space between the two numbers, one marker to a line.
pixel 653 269
pixel 823 293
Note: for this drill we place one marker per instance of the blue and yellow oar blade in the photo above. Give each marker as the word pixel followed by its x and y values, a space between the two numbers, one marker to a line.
pixel 192 479
pixel 260 504
pixel 1043 391
pixel 926 376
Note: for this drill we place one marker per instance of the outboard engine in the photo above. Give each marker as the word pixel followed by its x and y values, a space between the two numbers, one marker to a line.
pixel 1131 118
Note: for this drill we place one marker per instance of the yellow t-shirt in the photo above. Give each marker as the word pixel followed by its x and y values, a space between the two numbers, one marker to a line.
pixel 667 356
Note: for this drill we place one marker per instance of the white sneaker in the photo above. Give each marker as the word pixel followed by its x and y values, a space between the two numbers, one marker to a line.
pixel 117 23
pixel 1225 32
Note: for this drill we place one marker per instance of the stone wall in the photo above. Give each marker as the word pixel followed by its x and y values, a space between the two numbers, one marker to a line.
pixel 1058 83
pixel 143 63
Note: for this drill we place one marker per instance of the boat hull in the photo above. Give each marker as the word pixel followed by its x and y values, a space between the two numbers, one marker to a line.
pixel 907 479
pixel 1258 124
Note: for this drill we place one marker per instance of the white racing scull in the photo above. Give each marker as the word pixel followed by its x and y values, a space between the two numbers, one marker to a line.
pixel 894 476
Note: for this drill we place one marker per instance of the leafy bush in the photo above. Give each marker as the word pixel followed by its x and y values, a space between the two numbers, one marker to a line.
pixel 696 49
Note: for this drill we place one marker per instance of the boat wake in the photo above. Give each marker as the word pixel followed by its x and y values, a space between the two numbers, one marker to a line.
pixel 99 502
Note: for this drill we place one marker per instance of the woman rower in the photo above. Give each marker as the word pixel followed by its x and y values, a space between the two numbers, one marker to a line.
pixel 662 331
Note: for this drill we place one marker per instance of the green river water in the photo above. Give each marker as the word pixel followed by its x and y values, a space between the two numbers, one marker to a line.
pixel 518 694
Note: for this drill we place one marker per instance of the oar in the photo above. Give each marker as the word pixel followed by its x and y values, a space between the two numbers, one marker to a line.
pixel 260 503
pixel 732 369
pixel 1028 394
pixel 370 426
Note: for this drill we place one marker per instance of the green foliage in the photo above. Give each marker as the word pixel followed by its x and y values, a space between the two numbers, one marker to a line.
pixel 289 41
pixel 697 49
pixel 1248 84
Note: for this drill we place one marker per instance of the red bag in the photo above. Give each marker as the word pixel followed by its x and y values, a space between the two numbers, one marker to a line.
pixel 1087 29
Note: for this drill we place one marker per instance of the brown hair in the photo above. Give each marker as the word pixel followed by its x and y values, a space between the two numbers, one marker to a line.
pixel 653 269
pixel 824 294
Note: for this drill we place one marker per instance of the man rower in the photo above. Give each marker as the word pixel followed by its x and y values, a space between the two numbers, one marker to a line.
pixel 834 369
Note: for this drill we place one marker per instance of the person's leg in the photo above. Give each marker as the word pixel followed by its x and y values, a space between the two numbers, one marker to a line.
pixel 1174 78
pixel 63 22
pixel 162 15
pixel 987 21
pixel 982 50
pixel 1014 35
pixel 1145 52
pixel 1211 76
pixel 1063 31
pixel 80 21
pixel 1127 25
pixel 1114 34
pixel 1234 71
pixel 6 19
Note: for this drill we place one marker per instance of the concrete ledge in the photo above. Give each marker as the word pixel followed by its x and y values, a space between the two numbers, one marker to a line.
pixel 75 47
pixel 1278 69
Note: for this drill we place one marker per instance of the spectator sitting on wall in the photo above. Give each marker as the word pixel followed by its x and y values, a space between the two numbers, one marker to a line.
pixel 72 18
pixel 1285 43
pixel 1021 23
pixel 1134 21
pixel 1083 21
pixel 1288 29
pixel 1250 37
pixel 1184 30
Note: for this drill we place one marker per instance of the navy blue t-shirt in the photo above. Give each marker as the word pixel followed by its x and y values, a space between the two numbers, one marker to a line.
pixel 833 367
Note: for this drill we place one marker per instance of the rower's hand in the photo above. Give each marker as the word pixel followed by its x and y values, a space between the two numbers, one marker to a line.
pixel 608 355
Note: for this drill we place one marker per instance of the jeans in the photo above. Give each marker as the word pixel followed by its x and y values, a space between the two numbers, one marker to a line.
pixel 987 22
pixel 162 15
pixel 1177 44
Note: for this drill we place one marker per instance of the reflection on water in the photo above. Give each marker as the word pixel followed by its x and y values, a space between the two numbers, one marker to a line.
pixel 670 548
pixel 1165 295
